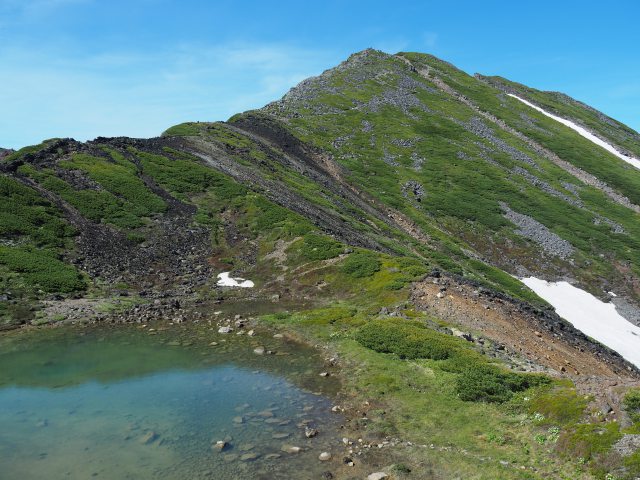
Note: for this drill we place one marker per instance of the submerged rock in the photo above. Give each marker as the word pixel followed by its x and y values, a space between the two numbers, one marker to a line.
pixel 291 449
pixel 219 446
pixel 149 438
pixel 324 456
pixel 249 457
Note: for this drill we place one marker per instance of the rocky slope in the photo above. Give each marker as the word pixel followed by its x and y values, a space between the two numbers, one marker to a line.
pixel 353 186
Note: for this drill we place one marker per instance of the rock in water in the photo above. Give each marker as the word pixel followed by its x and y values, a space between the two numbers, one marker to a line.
pixel 148 438
pixel 324 456
pixel 290 449
pixel 219 446
pixel 249 457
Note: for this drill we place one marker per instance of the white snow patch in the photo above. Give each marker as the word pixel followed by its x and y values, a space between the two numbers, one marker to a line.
pixel 600 321
pixel 227 281
pixel 584 132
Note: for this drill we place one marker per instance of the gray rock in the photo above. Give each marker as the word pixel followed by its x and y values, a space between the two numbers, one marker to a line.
pixel 290 449
pixel 530 228
pixel 324 456
pixel 377 476
pixel 627 445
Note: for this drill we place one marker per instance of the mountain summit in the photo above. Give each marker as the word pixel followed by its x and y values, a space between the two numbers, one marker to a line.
pixel 389 186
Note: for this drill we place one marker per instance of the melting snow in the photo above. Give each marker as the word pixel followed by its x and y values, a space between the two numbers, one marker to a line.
pixel 601 321
pixel 582 131
pixel 227 281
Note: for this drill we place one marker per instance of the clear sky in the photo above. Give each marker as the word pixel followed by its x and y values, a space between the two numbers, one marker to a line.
pixel 84 68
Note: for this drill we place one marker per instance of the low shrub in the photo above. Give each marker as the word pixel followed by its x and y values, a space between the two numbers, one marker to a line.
pixel 588 440
pixel 632 404
pixel 42 269
pixel 319 247
pixel 361 264
pixel 559 405
pixel 488 383
pixel 476 380
pixel 406 339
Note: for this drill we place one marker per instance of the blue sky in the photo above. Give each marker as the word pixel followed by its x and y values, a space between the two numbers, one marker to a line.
pixel 84 68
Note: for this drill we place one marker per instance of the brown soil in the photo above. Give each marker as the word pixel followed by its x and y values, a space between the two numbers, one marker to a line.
pixel 541 337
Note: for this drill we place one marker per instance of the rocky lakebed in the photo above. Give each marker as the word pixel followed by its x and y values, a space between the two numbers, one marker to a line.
pixel 168 401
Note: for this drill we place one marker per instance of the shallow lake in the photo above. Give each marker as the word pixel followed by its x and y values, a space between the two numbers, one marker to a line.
pixel 130 403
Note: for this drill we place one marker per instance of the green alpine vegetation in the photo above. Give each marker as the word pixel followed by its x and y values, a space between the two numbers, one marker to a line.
pixel 385 211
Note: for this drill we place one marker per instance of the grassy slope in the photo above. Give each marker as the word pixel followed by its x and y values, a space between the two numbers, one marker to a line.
pixel 564 106
pixel 537 433
pixel 463 189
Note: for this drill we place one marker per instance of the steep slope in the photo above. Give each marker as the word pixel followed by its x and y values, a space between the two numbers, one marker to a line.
pixel 624 138
pixel 380 207
pixel 458 157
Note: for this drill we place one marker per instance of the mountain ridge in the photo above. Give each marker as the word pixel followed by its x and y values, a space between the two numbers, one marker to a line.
pixel 391 188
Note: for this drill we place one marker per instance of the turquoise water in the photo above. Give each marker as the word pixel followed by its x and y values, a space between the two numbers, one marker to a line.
pixel 128 403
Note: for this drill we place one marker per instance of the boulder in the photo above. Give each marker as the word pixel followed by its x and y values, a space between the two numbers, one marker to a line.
pixel 324 456
pixel 377 476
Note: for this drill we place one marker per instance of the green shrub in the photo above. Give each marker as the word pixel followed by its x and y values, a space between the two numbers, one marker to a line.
pixel 120 180
pixel 476 380
pixel 320 247
pixel 559 405
pixel 24 212
pixel 407 339
pixel 632 404
pixel 98 205
pixel 487 383
pixel 183 130
pixel 42 269
pixel 588 440
pixel 361 264
pixel 185 175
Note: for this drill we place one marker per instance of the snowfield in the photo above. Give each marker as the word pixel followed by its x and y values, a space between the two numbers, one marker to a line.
pixel 227 281
pixel 600 321
pixel 582 131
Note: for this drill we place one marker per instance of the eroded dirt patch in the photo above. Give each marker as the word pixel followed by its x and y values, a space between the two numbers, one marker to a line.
pixel 539 336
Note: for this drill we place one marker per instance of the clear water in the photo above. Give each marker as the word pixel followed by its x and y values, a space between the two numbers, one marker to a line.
pixel 126 403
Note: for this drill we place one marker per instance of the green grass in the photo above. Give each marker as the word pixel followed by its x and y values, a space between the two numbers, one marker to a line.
pixel 417 397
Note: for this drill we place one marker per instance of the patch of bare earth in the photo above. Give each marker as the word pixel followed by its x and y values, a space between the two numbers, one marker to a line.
pixel 541 337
